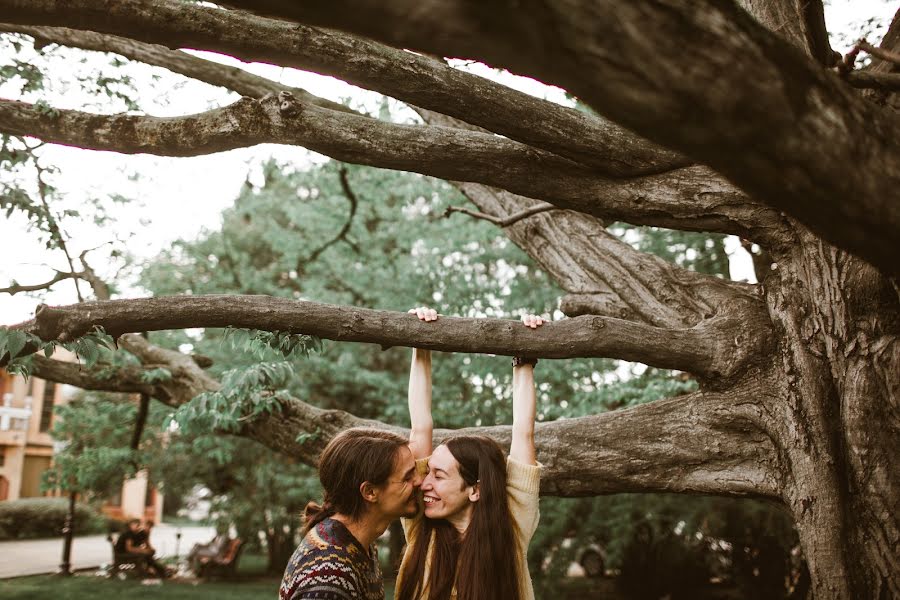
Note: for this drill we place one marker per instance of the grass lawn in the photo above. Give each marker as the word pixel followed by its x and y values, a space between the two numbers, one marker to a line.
pixel 251 584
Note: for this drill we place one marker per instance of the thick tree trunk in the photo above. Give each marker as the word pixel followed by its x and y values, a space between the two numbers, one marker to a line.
pixel 837 428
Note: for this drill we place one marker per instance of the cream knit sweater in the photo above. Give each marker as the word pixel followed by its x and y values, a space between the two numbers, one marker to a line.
pixel 523 483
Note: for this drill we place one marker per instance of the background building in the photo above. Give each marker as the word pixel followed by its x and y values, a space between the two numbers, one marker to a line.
pixel 26 447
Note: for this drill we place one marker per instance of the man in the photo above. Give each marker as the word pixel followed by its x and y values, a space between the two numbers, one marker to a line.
pixel 130 540
pixel 135 541
pixel 369 479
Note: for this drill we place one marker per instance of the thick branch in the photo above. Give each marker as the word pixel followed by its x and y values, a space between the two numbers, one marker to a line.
pixel 692 198
pixel 706 350
pixel 757 110
pixel 233 78
pixel 703 443
pixel 419 80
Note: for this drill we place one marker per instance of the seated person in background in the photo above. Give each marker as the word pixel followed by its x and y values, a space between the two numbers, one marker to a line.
pixel 130 540
pixel 136 541
pixel 201 553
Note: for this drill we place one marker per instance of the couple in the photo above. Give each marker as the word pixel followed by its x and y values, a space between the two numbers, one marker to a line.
pixel 134 542
pixel 480 508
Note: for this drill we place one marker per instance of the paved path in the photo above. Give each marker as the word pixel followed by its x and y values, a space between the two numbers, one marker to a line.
pixel 33 557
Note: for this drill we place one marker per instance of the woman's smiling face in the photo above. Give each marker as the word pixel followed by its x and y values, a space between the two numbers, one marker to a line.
pixel 446 494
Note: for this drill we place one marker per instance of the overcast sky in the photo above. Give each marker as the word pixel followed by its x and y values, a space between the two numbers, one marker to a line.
pixel 179 197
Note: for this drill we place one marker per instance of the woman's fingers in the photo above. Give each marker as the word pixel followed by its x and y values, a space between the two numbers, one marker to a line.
pixel 533 321
pixel 424 313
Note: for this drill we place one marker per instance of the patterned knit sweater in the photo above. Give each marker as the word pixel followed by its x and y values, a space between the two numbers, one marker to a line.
pixel 523 483
pixel 330 564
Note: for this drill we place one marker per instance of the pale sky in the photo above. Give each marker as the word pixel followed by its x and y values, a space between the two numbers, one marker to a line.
pixel 179 197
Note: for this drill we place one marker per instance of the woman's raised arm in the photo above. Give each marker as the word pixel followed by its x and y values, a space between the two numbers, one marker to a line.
pixel 524 404
pixel 420 434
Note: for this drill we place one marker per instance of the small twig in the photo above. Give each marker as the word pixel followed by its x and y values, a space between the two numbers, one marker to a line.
pixel 342 234
pixel 17 288
pixel 889 82
pixel 55 230
pixel 879 52
pixel 502 221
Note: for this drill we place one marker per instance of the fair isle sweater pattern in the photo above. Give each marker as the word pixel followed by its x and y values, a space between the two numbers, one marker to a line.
pixel 330 564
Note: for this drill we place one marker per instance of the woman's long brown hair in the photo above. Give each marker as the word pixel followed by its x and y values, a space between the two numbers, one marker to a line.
pixel 484 563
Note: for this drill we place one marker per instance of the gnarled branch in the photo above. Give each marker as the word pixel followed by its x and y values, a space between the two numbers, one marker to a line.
pixel 706 350
pixel 692 198
pixel 757 110
pixel 705 443
pixel 417 79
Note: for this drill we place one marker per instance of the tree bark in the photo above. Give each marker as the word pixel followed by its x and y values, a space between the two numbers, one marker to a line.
pixel 716 348
pixel 799 399
pixel 793 110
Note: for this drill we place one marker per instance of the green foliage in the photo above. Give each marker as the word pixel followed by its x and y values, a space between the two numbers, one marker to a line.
pixel 261 343
pixel 89 348
pixel 246 393
pixel 30 518
pixel 94 431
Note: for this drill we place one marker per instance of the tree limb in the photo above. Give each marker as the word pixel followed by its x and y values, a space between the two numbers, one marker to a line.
pixel 233 78
pixel 716 349
pixel 692 198
pixel 706 443
pixel 756 110
pixel 417 79
pixel 603 275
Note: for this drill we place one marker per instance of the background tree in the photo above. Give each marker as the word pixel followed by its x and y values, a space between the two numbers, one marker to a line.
pixel 797 395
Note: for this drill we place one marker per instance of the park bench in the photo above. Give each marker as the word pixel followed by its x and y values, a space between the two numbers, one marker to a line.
pixel 127 563
pixel 224 565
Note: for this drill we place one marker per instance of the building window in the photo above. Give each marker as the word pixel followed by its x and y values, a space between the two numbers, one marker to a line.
pixel 2 455
pixel 47 406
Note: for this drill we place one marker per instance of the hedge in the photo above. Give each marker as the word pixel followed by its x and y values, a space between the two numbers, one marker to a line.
pixel 44 517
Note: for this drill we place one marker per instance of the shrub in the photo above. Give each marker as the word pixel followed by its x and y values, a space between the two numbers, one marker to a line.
pixel 44 517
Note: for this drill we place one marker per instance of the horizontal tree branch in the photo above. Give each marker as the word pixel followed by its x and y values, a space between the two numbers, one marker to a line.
pixel 413 78
pixel 233 78
pixel 708 350
pixel 889 82
pixel 692 198
pixel 703 443
pixel 757 110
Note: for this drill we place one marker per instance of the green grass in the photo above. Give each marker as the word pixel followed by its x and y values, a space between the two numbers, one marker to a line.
pixel 251 584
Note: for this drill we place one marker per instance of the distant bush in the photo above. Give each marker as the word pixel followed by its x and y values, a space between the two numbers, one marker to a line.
pixel 44 517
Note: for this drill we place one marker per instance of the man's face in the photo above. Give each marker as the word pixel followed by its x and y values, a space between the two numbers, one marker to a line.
pixel 445 491
pixel 134 526
pixel 398 496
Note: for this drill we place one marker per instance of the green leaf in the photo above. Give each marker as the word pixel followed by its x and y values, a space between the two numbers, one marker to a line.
pixel 15 342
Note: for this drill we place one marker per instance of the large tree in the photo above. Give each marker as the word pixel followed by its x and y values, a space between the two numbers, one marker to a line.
pixel 715 117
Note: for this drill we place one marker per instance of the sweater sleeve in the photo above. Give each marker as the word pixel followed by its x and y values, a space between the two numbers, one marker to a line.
pixel 523 485
pixel 412 526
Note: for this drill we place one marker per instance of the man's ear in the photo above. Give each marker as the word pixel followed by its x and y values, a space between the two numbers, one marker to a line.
pixel 368 491
pixel 475 493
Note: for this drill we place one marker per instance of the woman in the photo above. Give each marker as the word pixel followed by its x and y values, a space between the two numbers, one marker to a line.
pixel 480 508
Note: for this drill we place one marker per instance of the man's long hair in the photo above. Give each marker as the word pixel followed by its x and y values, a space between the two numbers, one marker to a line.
pixel 351 458
pixel 484 563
